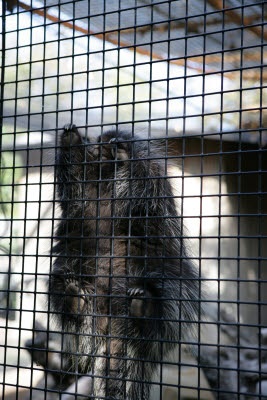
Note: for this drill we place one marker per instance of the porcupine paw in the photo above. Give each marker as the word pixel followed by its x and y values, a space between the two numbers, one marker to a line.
pixel 140 302
pixel 113 147
pixel 74 298
pixel 70 135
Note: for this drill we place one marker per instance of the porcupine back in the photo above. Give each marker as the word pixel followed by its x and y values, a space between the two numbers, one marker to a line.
pixel 122 273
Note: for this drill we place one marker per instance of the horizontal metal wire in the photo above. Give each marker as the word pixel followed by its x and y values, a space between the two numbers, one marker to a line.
pixel 224 71
pixel 141 6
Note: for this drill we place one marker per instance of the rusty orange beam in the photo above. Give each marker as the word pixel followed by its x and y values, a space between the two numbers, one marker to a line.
pixel 107 37
pixel 101 36
pixel 233 15
pixel 231 57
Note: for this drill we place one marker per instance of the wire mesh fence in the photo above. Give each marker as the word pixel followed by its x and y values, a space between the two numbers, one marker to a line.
pixel 133 200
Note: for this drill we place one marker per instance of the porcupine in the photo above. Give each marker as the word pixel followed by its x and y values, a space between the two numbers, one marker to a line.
pixel 122 285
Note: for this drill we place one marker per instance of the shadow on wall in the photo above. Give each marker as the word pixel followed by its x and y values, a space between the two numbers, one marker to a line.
pixel 231 223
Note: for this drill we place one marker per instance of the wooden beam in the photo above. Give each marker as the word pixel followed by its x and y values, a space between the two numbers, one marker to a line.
pixel 106 36
pixel 195 63
pixel 235 17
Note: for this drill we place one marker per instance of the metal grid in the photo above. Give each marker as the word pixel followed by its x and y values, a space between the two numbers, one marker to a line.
pixel 133 243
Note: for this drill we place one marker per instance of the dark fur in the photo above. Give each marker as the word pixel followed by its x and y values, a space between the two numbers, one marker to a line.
pixel 117 281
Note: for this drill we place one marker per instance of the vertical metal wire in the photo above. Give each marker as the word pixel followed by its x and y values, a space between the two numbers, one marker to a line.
pixel 164 230
pixel 129 246
pixel 23 261
pixel 2 85
pixel 148 168
pixel 201 181
pixel 3 51
pixel 219 200
pixel 181 261
pixel 53 214
pixel 260 208
pixel 239 199
pixel 99 192
pixel 12 201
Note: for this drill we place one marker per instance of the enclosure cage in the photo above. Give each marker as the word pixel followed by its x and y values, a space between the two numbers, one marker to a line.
pixel 138 244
